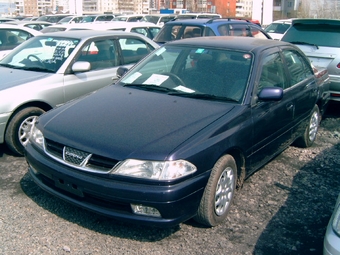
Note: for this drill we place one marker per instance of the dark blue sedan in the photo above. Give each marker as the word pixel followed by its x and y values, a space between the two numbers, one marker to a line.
pixel 179 132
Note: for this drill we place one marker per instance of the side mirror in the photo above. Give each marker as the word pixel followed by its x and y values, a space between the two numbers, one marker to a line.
pixel 270 94
pixel 81 66
pixel 121 71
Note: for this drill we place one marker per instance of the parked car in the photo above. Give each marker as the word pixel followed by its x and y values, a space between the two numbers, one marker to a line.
pixel 145 28
pixel 71 20
pixel 129 18
pixel 277 28
pixel 3 20
pixel 181 29
pixel 159 19
pixel 11 36
pixel 36 25
pixel 331 244
pixel 49 70
pixel 97 18
pixel 198 16
pixel 32 18
pixel 176 135
pixel 53 18
pixel 319 39
pixel 65 27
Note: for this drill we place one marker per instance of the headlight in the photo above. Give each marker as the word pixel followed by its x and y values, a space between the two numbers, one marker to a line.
pixel 37 137
pixel 336 219
pixel 157 170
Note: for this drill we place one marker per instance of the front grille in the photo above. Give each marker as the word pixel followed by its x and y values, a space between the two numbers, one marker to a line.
pixel 79 159
pixel 88 198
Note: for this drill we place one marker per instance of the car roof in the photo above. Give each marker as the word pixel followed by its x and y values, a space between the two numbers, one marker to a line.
pixel 121 24
pixel 89 34
pixel 83 34
pixel 104 26
pixel 11 26
pixel 24 22
pixel 316 21
pixel 205 22
pixel 231 42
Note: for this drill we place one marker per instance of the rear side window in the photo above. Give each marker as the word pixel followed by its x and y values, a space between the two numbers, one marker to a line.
pixel 319 34
pixel 298 67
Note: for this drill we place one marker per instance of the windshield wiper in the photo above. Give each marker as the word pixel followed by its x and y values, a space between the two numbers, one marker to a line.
pixel 150 87
pixel 8 65
pixel 202 96
pixel 35 68
pixel 305 43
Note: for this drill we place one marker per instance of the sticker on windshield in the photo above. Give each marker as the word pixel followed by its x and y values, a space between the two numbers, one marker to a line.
pixel 184 89
pixel 132 78
pixel 156 79
pixel 199 51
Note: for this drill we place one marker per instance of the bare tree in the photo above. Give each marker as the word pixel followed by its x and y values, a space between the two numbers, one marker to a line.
pixel 318 9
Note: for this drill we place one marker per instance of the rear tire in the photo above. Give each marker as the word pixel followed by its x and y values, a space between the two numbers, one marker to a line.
pixel 19 128
pixel 309 136
pixel 219 193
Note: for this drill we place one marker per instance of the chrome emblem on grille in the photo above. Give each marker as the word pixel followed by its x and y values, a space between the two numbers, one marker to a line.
pixel 75 156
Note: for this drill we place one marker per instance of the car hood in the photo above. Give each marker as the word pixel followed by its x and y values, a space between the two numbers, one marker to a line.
pixel 121 122
pixel 11 77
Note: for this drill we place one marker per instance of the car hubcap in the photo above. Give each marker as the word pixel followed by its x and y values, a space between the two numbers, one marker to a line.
pixel 25 129
pixel 224 191
pixel 313 126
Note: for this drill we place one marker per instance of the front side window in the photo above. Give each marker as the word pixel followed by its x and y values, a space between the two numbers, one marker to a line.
pixel 272 74
pixel 101 54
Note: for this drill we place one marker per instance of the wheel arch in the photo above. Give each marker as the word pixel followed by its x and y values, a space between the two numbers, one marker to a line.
pixel 42 105
pixel 239 158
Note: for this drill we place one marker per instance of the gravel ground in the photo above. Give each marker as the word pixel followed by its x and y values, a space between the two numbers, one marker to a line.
pixel 283 208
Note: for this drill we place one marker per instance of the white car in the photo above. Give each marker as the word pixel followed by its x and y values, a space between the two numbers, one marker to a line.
pixel 129 18
pixel 147 29
pixel 70 20
pixel 12 35
pixel 278 28
pixel 331 244
pixel 159 19
pixel 51 69
pixel 36 25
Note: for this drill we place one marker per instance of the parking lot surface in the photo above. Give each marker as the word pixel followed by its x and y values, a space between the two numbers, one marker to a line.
pixel 283 208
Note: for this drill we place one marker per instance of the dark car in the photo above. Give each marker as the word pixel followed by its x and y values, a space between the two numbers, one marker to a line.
pixel 178 133
pixel 319 39
pixel 187 28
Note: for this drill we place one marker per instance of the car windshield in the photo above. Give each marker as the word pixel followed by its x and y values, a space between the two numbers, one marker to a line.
pixel 187 71
pixel 45 54
pixel 279 28
pixel 316 34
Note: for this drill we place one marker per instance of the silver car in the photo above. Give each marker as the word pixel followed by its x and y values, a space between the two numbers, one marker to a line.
pixel 331 244
pixel 319 39
pixel 51 69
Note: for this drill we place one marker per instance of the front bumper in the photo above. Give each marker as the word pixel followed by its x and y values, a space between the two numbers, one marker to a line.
pixel 331 243
pixel 4 117
pixel 113 196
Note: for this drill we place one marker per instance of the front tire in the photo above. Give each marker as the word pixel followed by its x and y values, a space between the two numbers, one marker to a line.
pixel 219 192
pixel 19 128
pixel 309 136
